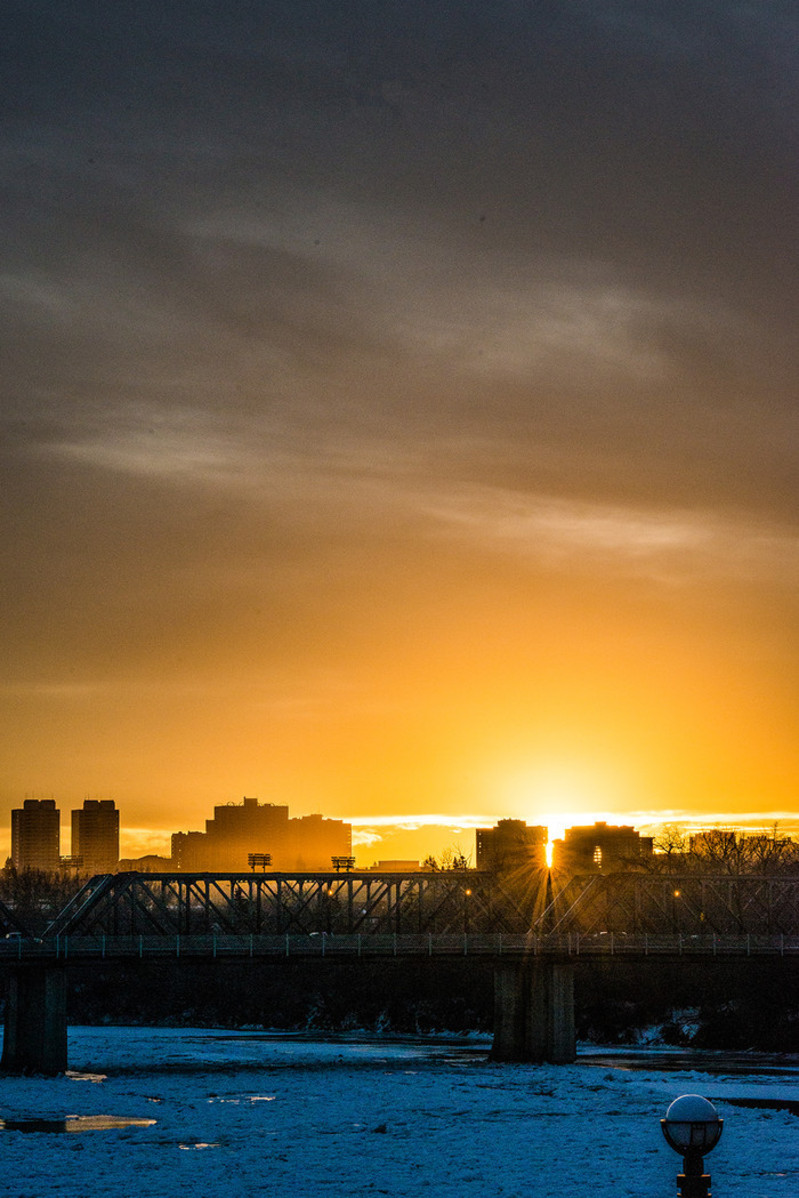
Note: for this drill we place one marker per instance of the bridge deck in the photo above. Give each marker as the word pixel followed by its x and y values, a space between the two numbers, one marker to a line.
pixel 508 946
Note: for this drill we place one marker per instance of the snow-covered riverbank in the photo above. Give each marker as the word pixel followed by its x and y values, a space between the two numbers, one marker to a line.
pixel 242 1113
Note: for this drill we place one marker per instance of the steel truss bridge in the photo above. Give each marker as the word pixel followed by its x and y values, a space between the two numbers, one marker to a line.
pixel 447 903
pixel 531 931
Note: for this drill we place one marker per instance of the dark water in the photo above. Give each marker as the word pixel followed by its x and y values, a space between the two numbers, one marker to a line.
pixel 730 1064
pixel 767 1104
pixel 742 1065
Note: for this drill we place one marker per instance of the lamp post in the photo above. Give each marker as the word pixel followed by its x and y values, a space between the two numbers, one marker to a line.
pixel 692 1128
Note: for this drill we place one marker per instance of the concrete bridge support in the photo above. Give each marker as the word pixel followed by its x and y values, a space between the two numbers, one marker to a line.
pixel 35 1033
pixel 534 1013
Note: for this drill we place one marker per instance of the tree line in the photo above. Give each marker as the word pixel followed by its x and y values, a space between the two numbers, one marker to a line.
pixel 722 851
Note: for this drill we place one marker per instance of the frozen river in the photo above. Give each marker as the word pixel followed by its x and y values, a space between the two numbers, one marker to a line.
pixel 241 1113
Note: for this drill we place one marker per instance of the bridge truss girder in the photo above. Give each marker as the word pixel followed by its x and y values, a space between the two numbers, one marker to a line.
pixel 693 904
pixel 9 922
pixel 139 904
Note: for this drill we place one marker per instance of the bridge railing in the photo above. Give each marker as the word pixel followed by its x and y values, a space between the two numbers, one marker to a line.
pixel 320 945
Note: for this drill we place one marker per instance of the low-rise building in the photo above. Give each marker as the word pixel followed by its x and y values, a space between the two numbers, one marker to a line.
pixel 396 866
pixel 150 863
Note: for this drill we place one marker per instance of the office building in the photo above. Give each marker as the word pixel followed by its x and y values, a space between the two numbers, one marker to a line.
pixel 239 830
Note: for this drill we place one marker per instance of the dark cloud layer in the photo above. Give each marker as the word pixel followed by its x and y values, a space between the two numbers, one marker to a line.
pixel 331 327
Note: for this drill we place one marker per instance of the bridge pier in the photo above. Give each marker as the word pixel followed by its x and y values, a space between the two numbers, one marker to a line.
pixel 534 1013
pixel 35 1032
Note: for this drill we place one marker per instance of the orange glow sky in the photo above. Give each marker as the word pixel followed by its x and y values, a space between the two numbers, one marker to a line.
pixel 400 417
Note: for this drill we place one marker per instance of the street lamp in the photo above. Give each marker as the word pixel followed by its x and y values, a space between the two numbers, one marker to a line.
pixel 692 1128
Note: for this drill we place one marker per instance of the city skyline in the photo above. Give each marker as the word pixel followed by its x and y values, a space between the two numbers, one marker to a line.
pixel 417 839
pixel 400 415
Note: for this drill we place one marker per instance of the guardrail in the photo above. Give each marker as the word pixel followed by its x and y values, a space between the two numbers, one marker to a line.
pixel 320 945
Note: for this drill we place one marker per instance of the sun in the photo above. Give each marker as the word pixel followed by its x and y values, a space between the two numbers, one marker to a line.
pixel 563 794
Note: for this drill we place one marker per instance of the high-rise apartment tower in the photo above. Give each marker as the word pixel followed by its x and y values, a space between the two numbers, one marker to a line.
pixel 95 836
pixel 36 835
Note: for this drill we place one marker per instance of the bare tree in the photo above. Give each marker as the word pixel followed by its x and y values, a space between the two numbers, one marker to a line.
pixel 770 852
pixel 716 850
pixel 724 850
pixel 670 847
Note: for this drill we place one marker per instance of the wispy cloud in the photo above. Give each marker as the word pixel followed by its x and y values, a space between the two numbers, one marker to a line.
pixel 412 823
pixel 167 453
pixel 692 821
pixel 674 544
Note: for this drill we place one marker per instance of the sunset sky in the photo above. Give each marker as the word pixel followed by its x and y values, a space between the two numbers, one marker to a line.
pixel 400 411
